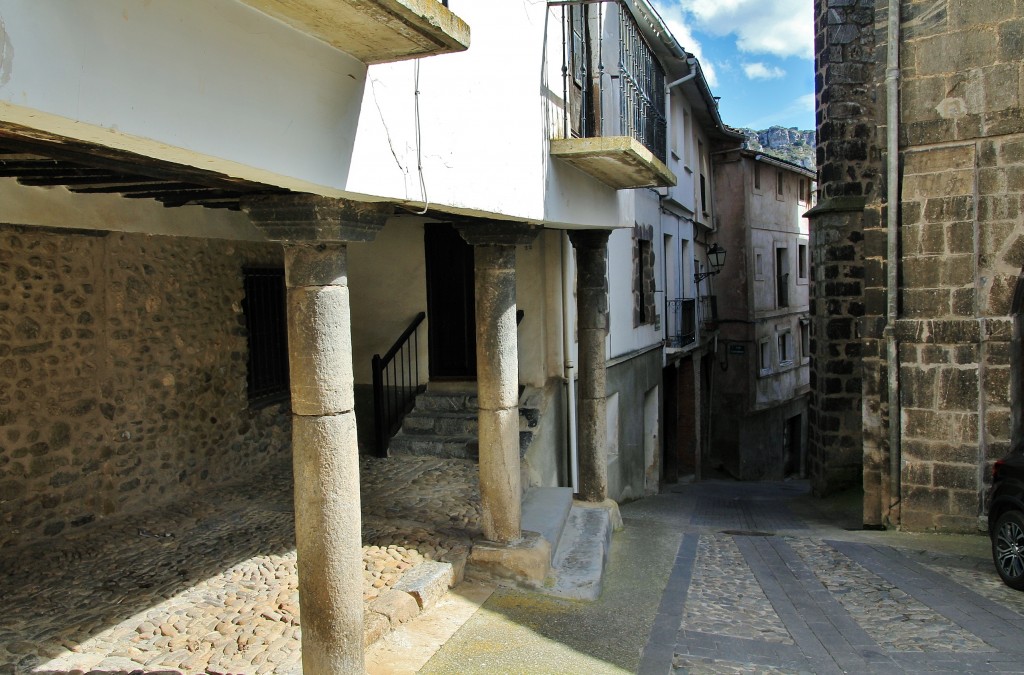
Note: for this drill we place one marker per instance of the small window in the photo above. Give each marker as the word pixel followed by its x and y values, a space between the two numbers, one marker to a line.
pixel 801 263
pixel 785 348
pixel 765 357
pixel 781 277
pixel 267 335
pixel 758 265
pixel 644 309
pixel 805 339
pixel 757 176
pixel 803 190
pixel 779 183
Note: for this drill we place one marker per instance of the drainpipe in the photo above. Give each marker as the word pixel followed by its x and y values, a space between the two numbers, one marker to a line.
pixel 892 75
pixel 686 78
pixel 569 364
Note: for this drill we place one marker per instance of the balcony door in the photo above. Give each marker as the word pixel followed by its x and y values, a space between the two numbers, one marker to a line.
pixel 581 102
pixel 451 310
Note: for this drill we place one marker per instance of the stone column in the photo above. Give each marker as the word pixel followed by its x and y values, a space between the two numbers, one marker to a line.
pixel 314 231
pixel 592 325
pixel 497 359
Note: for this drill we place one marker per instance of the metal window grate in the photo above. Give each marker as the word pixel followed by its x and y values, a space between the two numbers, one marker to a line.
pixel 267 330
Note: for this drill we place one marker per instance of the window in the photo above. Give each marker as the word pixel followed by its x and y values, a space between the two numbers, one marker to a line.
pixel 644 310
pixel 785 348
pixel 779 183
pixel 805 190
pixel 758 265
pixel 757 176
pixel 267 332
pixel 805 339
pixel 781 276
pixel 765 357
pixel 801 263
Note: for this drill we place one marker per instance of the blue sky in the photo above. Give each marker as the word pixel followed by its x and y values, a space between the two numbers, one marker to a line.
pixel 758 56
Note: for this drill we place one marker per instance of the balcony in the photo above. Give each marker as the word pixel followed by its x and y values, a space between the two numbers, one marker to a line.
pixel 682 322
pixel 625 150
pixel 374 31
pixel 620 162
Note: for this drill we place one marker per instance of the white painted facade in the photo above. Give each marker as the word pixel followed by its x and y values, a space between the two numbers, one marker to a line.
pixel 220 86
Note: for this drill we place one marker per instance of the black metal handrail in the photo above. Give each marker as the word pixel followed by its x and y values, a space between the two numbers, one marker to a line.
pixel 396 382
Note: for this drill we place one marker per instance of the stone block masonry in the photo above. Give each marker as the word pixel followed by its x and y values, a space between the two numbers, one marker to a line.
pixel 122 375
pixel 961 252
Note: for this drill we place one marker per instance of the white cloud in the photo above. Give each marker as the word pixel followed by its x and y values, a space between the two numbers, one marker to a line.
pixel 806 103
pixel 759 71
pixel 675 19
pixel 777 27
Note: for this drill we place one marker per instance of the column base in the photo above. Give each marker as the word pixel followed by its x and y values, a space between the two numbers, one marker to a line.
pixel 526 561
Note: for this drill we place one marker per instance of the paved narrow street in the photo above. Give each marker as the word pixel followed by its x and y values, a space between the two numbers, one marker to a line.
pixel 715 577
pixel 725 577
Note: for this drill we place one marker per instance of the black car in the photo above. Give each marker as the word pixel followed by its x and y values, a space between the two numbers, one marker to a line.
pixel 1006 517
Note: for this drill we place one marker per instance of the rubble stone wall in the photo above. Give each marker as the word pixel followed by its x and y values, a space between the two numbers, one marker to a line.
pixel 848 171
pixel 122 374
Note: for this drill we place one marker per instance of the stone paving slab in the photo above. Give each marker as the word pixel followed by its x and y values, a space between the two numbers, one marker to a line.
pixel 743 598
pixel 210 585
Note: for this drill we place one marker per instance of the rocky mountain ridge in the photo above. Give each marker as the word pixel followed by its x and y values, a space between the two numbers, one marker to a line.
pixel 790 144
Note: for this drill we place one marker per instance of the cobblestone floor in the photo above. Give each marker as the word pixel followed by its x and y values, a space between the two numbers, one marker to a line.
pixel 209 585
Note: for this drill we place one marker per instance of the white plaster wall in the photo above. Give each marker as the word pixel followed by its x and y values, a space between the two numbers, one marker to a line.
pixel 220 86
pixel 210 84
pixel 485 117
pixel 387 282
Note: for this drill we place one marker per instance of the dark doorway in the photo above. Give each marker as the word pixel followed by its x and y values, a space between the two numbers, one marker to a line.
pixel 791 441
pixel 450 304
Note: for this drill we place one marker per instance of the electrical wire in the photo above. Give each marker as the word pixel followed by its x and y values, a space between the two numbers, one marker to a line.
pixel 419 143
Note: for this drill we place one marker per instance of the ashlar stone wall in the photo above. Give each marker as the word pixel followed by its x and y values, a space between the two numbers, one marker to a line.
pixel 122 375
pixel 962 198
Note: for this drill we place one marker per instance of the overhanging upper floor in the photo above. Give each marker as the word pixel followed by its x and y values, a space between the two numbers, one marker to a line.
pixel 374 31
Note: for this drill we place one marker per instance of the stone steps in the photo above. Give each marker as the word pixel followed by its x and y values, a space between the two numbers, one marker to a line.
pixel 443 423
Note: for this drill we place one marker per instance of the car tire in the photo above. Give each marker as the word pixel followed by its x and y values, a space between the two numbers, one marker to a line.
pixel 1008 548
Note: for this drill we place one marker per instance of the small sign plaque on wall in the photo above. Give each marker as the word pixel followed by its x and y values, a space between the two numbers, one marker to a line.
pixel 737 349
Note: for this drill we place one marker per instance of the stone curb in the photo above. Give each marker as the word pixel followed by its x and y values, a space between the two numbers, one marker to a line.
pixel 428 582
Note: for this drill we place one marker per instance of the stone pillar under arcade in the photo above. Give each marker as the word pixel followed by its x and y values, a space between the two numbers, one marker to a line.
pixel 314 232
pixel 592 322
pixel 497 358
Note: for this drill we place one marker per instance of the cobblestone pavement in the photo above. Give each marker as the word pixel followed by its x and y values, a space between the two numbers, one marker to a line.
pixel 754 589
pixel 210 585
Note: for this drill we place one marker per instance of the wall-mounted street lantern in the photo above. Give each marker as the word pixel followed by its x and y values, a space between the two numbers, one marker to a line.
pixel 716 260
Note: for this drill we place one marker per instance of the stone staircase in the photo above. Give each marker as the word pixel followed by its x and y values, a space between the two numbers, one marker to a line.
pixel 443 423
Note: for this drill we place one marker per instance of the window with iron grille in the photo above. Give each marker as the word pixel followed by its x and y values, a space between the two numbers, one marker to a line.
pixel 267 331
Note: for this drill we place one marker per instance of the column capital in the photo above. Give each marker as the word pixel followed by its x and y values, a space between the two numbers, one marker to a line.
pixel 497 232
pixel 301 217
pixel 589 238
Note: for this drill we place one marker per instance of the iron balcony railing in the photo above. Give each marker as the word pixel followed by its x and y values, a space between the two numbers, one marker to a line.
pixel 682 327
pixel 396 383
pixel 587 86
